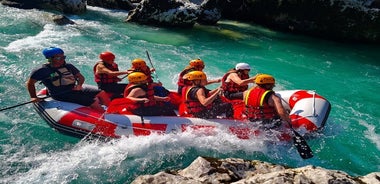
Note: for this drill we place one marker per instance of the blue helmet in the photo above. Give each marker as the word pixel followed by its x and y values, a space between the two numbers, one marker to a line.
pixel 51 51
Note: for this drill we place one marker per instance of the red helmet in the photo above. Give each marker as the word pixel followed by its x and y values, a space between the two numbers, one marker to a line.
pixel 107 56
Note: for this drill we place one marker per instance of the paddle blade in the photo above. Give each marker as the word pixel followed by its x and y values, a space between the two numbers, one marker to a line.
pixel 302 147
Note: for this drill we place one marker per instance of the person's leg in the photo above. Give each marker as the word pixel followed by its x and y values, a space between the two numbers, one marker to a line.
pixel 116 89
pixel 96 105
pixel 93 92
pixel 103 98
pixel 82 98
pixel 236 96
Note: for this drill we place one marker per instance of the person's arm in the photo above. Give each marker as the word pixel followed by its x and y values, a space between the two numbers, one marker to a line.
pixel 236 79
pixel 207 101
pixel 80 81
pixel 101 69
pixel 277 104
pixel 133 95
pixel 162 99
pixel 214 81
pixel 30 85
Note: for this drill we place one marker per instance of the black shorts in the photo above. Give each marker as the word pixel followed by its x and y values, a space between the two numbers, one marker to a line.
pixel 84 97
pixel 117 89
pixel 233 96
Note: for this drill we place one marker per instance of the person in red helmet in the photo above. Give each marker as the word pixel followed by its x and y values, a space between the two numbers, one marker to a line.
pixel 64 82
pixel 106 73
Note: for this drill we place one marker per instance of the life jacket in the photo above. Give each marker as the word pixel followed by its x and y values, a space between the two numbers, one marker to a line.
pixel 192 104
pixel 149 94
pixel 104 78
pixel 256 104
pixel 231 86
pixel 146 71
pixel 182 82
pixel 62 76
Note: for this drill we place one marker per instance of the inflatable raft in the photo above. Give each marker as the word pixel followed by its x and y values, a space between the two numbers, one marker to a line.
pixel 308 112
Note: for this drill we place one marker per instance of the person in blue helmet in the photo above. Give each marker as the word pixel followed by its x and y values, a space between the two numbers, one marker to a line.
pixel 64 82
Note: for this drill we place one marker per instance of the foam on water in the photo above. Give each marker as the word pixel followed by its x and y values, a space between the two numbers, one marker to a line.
pixel 140 153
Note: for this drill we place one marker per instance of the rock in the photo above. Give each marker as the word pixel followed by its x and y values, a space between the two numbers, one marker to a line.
pixel 371 178
pixel 239 171
pixel 61 20
pixel 17 4
pixel 64 6
pixel 172 13
pixel 113 4
pixel 210 12
pixel 342 20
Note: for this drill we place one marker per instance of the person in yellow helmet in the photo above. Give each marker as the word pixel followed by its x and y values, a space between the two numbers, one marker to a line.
pixel 194 65
pixel 142 94
pixel 139 65
pixel 201 102
pixel 261 102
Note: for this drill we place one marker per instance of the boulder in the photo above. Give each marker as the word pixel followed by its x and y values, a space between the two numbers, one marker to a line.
pixel 61 20
pixel 239 171
pixel 210 12
pixel 113 4
pixel 343 20
pixel 172 13
pixel 64 6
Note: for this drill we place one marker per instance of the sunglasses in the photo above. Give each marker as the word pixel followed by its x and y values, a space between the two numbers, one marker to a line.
pixel 57 58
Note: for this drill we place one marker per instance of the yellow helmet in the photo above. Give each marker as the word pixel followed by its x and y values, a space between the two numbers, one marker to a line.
pixel 264 79
pixel 195 75
pixel 138 63
pixel 197 63
pixel 136 77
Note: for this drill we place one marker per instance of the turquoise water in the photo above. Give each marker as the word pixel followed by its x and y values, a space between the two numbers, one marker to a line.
pixel 348 75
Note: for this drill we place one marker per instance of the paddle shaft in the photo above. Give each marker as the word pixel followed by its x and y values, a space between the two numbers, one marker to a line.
pixel 150 61
pixel 31 101
pixel 11 107
pixel 299 142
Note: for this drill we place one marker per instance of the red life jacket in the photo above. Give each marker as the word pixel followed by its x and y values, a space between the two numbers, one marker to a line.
pixel 256 104
pixel 149 94
pixel 182 82
pixel 192 104
pixel 146 71
pixel 231 86
pixel 104 78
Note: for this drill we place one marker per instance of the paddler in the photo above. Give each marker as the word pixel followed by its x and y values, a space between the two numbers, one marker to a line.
pixel 141 93
pixel 201 102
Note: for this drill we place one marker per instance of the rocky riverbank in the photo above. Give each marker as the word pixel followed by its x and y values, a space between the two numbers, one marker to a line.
pixel 239 171
pixel 343 20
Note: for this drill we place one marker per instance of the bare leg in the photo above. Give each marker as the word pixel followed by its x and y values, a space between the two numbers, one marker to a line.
pixel 96 105
pixel 103 98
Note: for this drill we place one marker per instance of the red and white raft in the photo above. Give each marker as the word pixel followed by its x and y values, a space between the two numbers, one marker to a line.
pixel 308 111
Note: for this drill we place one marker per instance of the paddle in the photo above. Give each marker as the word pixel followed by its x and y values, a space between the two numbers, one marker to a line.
pixel 11 107
pixel 31 101
pixel 147 53
pixel 300 143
